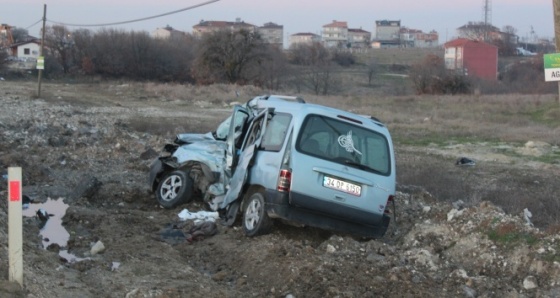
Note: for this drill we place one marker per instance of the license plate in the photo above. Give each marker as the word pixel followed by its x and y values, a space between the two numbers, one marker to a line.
pixel 343 186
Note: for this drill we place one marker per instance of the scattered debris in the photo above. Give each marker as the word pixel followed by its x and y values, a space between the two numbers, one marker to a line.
pixel 42 215
pixel 97 248
pixel 199 216
pixel 172 234
pixel 459 204
pixel 529 283
pixel 201 230
pixel 527 217
pixel 115 266
pixel 25 201
pixel 464 161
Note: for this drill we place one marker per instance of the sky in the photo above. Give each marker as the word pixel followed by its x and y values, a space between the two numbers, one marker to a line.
pixel 297 16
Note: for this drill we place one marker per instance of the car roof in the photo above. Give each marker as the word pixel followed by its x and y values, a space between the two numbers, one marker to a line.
pixel 296 105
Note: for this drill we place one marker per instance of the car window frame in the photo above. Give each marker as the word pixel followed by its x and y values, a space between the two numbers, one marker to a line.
pixel 386 171
pixel 269 129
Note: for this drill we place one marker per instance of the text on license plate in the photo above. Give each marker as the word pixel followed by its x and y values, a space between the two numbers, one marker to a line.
pixel 344 186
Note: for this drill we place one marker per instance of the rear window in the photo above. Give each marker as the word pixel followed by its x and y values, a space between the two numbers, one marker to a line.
pixel 344 143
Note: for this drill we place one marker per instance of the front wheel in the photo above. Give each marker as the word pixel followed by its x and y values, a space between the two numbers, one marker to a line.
pixel 255 219
pixel 175 188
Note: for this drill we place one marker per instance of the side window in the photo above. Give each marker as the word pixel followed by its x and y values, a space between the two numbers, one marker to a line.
pixel 318 143
pixel 276 131
pixel 378 153
pixel 316 137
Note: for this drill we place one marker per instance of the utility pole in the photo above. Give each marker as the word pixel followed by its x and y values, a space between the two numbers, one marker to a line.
pixel 556 8
pixel 487 17
pixel 42 49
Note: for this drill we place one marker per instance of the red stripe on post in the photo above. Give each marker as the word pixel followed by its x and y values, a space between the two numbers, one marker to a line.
pixel 14 191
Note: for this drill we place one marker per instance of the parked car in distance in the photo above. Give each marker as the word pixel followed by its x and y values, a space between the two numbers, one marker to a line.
pixel 278 157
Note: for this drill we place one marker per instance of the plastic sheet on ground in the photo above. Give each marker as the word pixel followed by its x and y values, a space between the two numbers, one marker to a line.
pixel 198 216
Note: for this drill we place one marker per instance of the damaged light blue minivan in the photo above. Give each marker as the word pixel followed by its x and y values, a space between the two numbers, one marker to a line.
pixel 280 158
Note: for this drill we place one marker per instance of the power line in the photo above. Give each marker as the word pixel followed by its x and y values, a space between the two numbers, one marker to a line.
pixel 27 28
pixel 135 20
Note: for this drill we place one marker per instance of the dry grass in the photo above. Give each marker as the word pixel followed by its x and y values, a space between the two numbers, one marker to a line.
pixel 215 94
pixel 403 56
pixel 445 119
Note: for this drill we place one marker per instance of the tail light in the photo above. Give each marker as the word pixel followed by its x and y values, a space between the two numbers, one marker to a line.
pixel 390 201
pixel 284 180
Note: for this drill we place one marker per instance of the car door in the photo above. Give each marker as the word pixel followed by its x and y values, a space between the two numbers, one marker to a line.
pixel 342 169
pixel 237 131
pixel 250 144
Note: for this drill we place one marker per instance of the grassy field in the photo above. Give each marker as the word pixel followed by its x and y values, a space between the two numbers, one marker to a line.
pixel 405 56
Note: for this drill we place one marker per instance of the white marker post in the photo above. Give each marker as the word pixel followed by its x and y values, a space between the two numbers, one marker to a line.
pixel 15 231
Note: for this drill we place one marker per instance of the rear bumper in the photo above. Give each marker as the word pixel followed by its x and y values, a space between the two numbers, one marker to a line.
pixel 277 204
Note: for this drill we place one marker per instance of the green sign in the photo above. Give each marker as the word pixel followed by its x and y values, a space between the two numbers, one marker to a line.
pixel 551 67
pixel 41 62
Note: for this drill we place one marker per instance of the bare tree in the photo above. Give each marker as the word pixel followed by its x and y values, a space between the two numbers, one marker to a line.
pixel 135 55
pixel 428 74
pixel 316 67
pixel 20 34
pixel 431 77
pixel 60 43
pixel 476 30
pixel 309 54
pixel 321 78
pixel 109 52
pixel 509 42
pixel 3 57
pixel 372 68
pixel 343 58
pixel 228 56
pixel 273 70
pixel 82 51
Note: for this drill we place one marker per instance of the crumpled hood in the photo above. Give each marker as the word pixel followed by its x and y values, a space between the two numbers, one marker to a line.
pixel 189 138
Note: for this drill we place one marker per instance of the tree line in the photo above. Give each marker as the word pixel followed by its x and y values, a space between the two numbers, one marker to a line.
pixel 244 58
pixel 240 57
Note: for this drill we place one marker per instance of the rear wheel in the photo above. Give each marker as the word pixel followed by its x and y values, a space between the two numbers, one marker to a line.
pixel 175 188
pixel 255 219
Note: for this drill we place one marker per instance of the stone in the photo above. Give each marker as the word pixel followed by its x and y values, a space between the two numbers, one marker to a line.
pixel 97 248
pixel 530 282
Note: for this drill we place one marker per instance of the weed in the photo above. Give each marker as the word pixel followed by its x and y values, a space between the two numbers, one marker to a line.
pixel 509 234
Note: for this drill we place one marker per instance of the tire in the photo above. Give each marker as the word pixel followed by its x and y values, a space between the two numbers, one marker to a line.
pixel 175 188
pixel 255 219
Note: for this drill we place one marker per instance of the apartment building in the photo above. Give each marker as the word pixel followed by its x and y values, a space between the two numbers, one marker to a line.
pixel 335 34
pixel 272 34
pixel 204 27
pixel 304 38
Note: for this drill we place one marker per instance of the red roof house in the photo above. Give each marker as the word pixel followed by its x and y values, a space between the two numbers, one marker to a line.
pixel 473 58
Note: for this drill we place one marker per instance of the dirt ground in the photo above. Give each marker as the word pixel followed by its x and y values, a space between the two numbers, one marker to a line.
pixel 91 145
